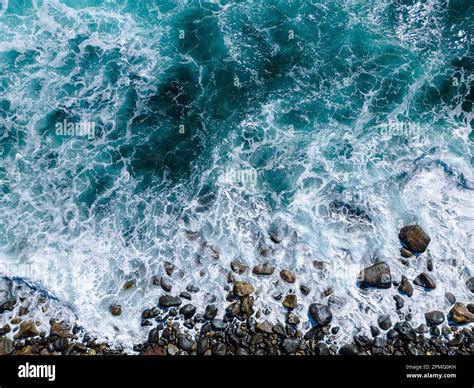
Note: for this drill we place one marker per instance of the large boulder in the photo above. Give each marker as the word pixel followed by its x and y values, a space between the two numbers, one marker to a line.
pixel 414 238
pixel 377 275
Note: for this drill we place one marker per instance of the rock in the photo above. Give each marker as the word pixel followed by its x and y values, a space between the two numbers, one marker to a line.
pixel 322 349
pixel 192 288
pixel 23 311
pixel 288 276
pixel 406 252
pixel 187 311
pixel 399 301
pixel 265 327
pixel 172 350
pixel 450 298
pixel 6 346
pixel 238 267
pixel 220 349
pixel 470 284
pixel 154 335
pixel 320 313
pixel 5 329
pixel 275 237
pixel 374 330
pixel 210 312
pixel 59 329
pixel 263 269
pixel 242 289
pixel 348 350
pixel 169 268
pixel 470 307
pixel 414 238
pixel 425 280
pixel 377 275
pixel 305 290
pixel 129 284
pixel 293 319
pixel 290 301
pixel 165 284
pixel 185 295
pixel 290 345
pixel 384 322
pixel 115 310
pixel 27 329
pixel 434 318
pixel 246 306
pixel 184 342
pixel 191 235
pixel 319 265
pixel 15 320
pixel 202 345
pixel 460 314
pixel 218 324
pixel 405 287
pixel 429 265
pixel 230 278
pixel 169 301
pixel 150 313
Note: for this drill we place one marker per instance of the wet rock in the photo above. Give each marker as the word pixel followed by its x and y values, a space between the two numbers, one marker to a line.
pixel 470 284
pixel 348 350
pixel 23 311
pixel 320 313
pixel 218 324
pixel 154 335
pixel 265 327
pixel 319 265
pixel 115 310
pixel 129 284
pixel 192 288
pixel 150 313
pixel 15 320
pixel 230 278
pixel 293 319
pixel 405 330
pixel 406 252
pixel 321 349
pixel 288 276
pixel 27 329
pixel 263 269
pixel 238 267
pixel 434 318
pixel 470 307
pixel 374 330
pixel 185 295
pixel 172 349
pixel 405 287
pixel 59 329
pixel 210 312
pixel 384 322
pixel 202 345
pixel 425 280
pixel 450 298
pixel 187 311
pixel 242 289
pixel 414 238
pixel 5 330
pixel 6 346
pixel 7 305
pixel 246 306
pixel 169 301
pixel 184 342
pixel 220 349
pixel 305 290
pixel 377 275
pixel 379 342
pixel 169 268
pixel 460 314
pixel 290 301
pixel 399 301
pixel 290 345
pixel 429 265
pixel 165 284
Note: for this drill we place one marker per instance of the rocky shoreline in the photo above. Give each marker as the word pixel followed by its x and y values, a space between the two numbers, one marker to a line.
pixel 32 324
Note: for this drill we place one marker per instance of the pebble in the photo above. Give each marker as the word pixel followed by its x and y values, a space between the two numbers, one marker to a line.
pixel 218 324
pixel 305 290
pixel 434 318
pixel 288 276
pixel 115 309
pixel 384 322
pixel 184 342
pixel 263 269
pixel 406 252
pixel 470 284
pixel 450 297
pixel 187 311
pixel 210 312
pixel 399 302
pixel 169 301
pixel 425 280
pixel 165 284
pixel 290 301
pixel 238 267
pixel 405 287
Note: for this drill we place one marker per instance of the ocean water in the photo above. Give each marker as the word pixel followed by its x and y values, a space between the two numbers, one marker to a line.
pixel 125 125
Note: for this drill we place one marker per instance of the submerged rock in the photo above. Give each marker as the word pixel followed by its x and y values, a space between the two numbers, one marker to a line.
pixel 470 284
pixel 425 280
pixel 414 238
pixel 263 269
pixel 115 310
pixel 377 275
pixel 320 313
pixel 405 287
pixel 238 267
pixel 461 314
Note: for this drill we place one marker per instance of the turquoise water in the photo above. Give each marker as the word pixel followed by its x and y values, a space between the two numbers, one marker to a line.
pixel 331 122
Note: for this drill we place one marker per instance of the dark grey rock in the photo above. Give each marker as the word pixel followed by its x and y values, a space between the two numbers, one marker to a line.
pixel 470 284
pixel 348 350
pixel 405 287
pixel 211 312
pixel 218 324
pixel 169 301
pixel 377 275
pixel 450 297
pixel 434 318
pixel 187 311
pixel 384 322
pixel 425 280
pixel 399 301
pixel 290 345
pixel 320 313
pixel 184 342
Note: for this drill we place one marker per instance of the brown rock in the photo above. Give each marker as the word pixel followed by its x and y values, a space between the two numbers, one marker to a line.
pixel 238 267
pixel 60 329
pixel 460 314
pixel 405 287
pixel 242 289
pixel 115 310
pixel 246 305
pixel 288 276
pixel 263 269
pixel 290 301
pixel 377 275
pixel 169 268
pixel 6 346
pixel 406 252
pixel 27 329
pixel 425 280
pixel 414 238
pixel 129 284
